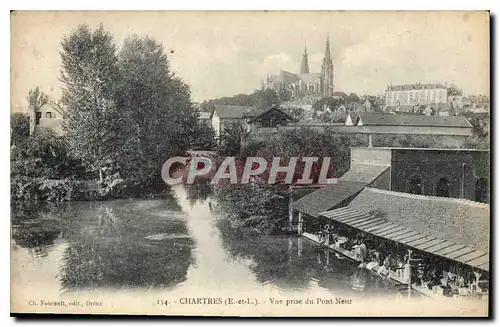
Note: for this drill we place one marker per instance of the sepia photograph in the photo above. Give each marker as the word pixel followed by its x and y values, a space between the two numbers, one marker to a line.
pixel 250 163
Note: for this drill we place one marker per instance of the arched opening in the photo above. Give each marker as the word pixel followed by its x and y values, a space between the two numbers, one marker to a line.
pixel 415 185
pixel 481 194
pixel 443 187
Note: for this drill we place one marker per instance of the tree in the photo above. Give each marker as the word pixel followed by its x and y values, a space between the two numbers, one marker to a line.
pixel 329 101
pixel 160 117
pixel 265 99
pixel 231 140
pixel 353 98
pixel 36 99
pixel 89 75
pixel 20 127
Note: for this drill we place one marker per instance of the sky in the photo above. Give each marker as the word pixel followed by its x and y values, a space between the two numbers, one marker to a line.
pixel 226 53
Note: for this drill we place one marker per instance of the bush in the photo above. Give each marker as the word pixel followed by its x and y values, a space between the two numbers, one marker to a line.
pixel 253 208
pixel 61 190
pixel 24 189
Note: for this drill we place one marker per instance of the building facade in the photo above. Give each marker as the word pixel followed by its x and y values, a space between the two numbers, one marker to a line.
pixel 227 116
pixel 413 94
pixel 452 173
pixel 294 86
pixel 47 118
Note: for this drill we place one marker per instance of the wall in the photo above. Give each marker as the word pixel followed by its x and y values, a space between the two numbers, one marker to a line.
pixel 417 130
pixel 54 123
pixel 216 124
pixel 418 96
pixel 370 156
pixel 383 181
pixel 431 165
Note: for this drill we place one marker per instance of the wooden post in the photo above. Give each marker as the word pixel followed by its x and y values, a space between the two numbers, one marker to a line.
pixel 409 271
pixel 370 144
pixel 301 223
pixel 299 247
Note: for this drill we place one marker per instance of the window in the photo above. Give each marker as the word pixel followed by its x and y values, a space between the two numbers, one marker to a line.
pixel 415 185
pixel 48 114
pixel 481 192
pixel 443 187
pixel 38 116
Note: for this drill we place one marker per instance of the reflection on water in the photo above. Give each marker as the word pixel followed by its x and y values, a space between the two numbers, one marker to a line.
pixel 170 243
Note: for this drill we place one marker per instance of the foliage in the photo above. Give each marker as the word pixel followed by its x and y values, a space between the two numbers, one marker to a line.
pixel 253 208
pixel 36 99
pixel 203 139
pixel 263 209
pixel 61 190
pixel 20 127
pixel 353 98
pixel 161 119
pixel 42 155
pixel 480 124
pixel 328 101
pixel 126 112
pixel 231 140
pixel 89 75
pixel 263 99
pixel 37 158
pixel 307 142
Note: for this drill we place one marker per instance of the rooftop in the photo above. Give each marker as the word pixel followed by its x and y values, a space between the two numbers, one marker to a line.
pixel 205 115
pixel 236 112
pixel 377 119
pixel 418 86
pixel 363 173
pixel 327 197
pixel 458 220
pixel 420 149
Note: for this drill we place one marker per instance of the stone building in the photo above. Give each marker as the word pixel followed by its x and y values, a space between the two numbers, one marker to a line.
pixel 413 94
pixel 49 117
pixel 292 86
pixel 454 173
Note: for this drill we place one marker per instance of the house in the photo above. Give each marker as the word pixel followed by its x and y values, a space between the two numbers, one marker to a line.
pixel 351 118
pixel 402 108
pixel 270 118
pixel 443 109
pixel 226 115
pixel 479 108
pixel 49 117
pixel 451 229
pixel 339 96
pixel 428 111
pixel 205 117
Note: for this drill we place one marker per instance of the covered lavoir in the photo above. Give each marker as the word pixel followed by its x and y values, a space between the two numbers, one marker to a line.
pixel 437 246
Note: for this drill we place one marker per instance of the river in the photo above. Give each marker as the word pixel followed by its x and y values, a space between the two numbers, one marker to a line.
pixel 166 249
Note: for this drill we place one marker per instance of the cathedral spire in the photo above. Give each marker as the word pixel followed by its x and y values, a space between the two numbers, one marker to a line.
pixel 304 66
pixel 327 50
pixel 327 71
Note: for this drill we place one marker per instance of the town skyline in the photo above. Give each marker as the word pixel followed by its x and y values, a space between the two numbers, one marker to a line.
pixel 216 62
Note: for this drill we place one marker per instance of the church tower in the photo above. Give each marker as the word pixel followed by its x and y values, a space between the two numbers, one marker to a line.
pixel 327 71
pixel 304 66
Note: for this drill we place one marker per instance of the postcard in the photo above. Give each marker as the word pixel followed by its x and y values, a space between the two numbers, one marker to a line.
pixel 265 164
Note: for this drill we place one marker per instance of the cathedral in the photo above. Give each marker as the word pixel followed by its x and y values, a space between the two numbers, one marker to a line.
pixel 291 86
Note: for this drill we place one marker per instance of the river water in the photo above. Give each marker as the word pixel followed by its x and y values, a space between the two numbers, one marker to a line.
pixel 133 253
